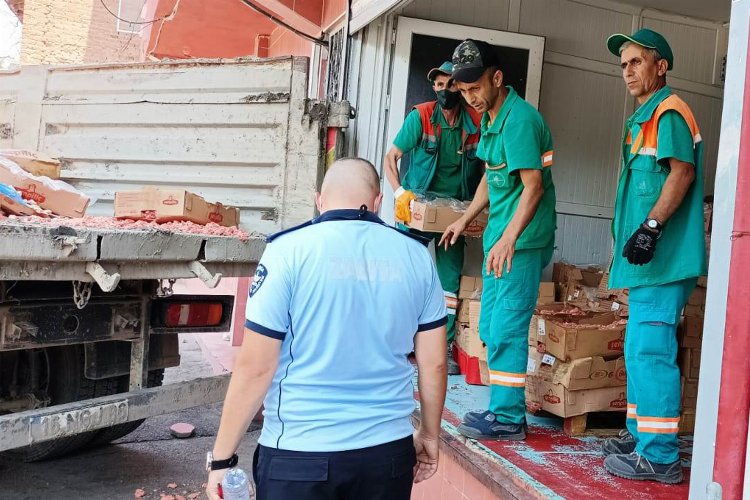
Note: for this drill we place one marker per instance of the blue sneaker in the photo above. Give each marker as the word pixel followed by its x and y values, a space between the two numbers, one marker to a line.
pixel 476 416
pixel 489 428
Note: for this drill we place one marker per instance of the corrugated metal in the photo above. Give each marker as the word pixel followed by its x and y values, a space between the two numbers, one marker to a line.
pixel 491 14
pixel 583 240
pixel 707 112
pixel 229 131
pixel 694 48
pixel 584 110
pixel 573 28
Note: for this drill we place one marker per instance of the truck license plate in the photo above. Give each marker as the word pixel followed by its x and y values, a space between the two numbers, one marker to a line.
pixel 75 422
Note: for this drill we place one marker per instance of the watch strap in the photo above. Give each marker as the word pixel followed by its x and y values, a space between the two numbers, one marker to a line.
pixel 226 463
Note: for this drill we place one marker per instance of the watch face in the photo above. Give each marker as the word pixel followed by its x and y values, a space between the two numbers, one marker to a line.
pixel 652 223
pixel 209 459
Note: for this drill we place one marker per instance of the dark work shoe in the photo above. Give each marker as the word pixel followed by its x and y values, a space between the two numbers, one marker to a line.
pixel 489 428
pixel 635 466
pixel 453 368
pixel 623 444
pixel 475 416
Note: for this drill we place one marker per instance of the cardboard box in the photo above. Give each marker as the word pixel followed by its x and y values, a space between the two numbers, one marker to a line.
pixel 698 297
pixel 165 205
pixel 462 314
pixel 475 309
pixel 436 216
pixel 689 394
pixel 34 162
pixel 484 371
pixel 551 310
pixel 687 421
pixel 53 195
pixel 558 400
pixel 11 206
pixel 580 374
pixel 470 287
pixel 619 295
pixel 546 292
pixel 588 337
pixel 469 341
pixel 690 363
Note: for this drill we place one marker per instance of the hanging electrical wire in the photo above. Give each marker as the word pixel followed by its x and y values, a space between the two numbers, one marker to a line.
pixel 132 22
pixel 281 23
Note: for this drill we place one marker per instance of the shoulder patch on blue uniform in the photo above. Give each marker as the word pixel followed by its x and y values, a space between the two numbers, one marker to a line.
pixel 260 276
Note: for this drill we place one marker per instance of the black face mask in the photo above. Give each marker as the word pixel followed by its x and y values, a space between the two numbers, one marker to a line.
pixel 448 99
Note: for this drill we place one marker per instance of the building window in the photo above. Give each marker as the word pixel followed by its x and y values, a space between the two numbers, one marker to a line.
pixel 129 10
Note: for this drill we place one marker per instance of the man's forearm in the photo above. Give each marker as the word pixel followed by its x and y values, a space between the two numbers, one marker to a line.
pixel 525 211
pixel 433 382
pixel 672 193
pixel 391 168
pixel 247 389
pixel 480 202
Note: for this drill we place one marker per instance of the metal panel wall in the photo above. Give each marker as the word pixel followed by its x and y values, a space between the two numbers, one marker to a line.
pixel 232 132
pixel 573 28
pixel 492 14
pixel 694 48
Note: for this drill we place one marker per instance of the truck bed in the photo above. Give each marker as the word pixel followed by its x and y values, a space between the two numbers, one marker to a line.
pixel 37 252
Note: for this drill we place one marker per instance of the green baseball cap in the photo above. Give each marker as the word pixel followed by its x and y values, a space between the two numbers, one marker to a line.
pixel 645 38
pixel 446 69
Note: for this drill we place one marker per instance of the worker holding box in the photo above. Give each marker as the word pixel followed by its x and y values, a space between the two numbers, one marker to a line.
pixel 658 254
pixel 442 138
pixel 516 144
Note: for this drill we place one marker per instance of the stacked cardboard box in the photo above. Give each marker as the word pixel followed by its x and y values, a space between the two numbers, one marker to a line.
pixel 467 326
pixel 575 361
pixel 690 335
pixel 574 284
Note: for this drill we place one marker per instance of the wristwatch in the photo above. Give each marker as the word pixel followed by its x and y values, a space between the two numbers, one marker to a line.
pixel 653 225
pixel 212 464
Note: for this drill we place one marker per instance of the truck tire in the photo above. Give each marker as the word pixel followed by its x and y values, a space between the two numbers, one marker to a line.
pixel 109 434
pixel 66 385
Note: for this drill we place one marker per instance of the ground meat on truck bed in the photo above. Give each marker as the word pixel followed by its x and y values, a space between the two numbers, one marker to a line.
pixel 91 222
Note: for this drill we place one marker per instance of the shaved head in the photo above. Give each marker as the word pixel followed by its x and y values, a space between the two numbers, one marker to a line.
pixel 350 183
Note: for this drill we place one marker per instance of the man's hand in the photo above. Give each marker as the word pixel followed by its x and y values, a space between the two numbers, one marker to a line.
pixel 640 248
pixel 500 256
pixel 215 477
pixel 427 457
pixel 452 233
pixel 403 201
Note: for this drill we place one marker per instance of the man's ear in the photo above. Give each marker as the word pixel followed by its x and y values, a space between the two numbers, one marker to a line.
pixel 663 65
pixel 377 203
pixel 319 202
pixel 497 79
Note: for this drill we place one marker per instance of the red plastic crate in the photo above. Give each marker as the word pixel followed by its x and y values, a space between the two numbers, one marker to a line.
pixel 468 365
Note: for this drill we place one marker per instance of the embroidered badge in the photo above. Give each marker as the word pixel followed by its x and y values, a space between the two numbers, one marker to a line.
pixel 260 276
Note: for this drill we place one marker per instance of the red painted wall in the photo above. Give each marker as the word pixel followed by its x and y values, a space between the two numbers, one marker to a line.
pixel 219 28
pixel 286 43
pixel 332 11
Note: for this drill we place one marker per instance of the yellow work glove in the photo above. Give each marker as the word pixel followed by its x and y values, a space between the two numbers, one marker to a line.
pixel 403 202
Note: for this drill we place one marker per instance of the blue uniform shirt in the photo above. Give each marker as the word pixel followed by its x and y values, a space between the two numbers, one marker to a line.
pixel 346 294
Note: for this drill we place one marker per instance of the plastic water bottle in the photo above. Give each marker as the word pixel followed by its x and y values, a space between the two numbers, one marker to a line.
pixel 236 485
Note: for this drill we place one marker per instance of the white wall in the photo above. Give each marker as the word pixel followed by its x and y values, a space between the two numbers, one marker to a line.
pixel 583 98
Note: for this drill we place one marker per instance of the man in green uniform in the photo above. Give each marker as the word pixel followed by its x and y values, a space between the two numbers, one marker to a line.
pixel 442 138
pixel 516 145
pixel 659 253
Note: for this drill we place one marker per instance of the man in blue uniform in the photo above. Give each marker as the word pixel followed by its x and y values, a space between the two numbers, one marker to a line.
pixel 335 308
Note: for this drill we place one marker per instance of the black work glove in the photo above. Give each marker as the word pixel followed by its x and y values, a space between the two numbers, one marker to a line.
pixel 639 249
